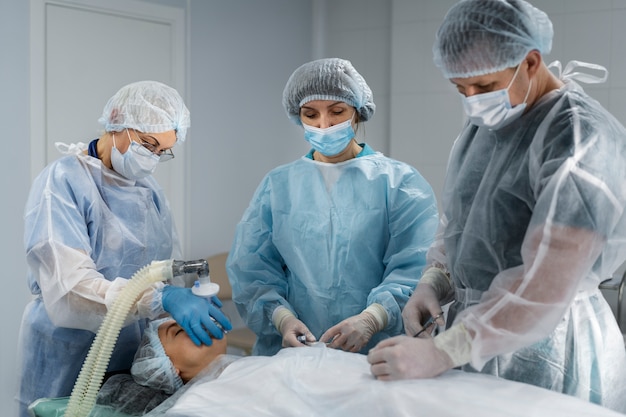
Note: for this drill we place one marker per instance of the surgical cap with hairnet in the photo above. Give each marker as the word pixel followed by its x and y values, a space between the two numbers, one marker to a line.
pixel 146 106
pixel 152 367
pixel 480 37
pixel 327 79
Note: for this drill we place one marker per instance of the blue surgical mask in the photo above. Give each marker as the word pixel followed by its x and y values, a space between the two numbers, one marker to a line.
pixel 331 140
pixel 136 163
pixel 494 109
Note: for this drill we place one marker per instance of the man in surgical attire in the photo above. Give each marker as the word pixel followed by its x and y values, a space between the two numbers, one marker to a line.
pixel 332 244
pixel 533 218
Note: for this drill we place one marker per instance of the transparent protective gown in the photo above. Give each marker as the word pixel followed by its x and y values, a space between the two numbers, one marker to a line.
pixel 327 240
pixel 533 221
pixel 87 230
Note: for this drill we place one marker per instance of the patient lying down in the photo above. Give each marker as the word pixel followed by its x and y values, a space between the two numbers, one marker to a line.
pixel 165 361
pixel 312 381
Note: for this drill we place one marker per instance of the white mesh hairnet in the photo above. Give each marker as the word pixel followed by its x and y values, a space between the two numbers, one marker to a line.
pixel 327 79
pixel 480 37
pixel 152 367
pixel 146 106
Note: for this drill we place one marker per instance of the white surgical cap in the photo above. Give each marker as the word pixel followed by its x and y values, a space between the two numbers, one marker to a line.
pixel 327 79
pixel 480 37
pixel 146 106
pixel 152 367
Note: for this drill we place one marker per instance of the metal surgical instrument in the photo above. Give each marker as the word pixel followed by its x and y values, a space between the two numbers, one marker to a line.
pixel 302 339
pixel 428 323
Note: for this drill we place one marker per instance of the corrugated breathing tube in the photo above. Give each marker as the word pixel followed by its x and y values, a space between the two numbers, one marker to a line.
pixel 89 380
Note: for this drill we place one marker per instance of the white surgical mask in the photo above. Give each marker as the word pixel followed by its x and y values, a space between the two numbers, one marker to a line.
pixel 136 163
pixel 331 140
pixel 494 109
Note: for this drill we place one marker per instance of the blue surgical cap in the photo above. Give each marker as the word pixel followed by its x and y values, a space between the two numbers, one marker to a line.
pixel 327 79
pixel 152 367
pixel 480 37
pixel 146 106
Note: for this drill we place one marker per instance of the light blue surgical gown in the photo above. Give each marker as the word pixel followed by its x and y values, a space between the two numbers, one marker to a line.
pixel 87 230
pixel 327 240
pixel 533 221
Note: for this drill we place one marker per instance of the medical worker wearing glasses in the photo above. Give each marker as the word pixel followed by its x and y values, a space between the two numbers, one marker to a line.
pixel 94 218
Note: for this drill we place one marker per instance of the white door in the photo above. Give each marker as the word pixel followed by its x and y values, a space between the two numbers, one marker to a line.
pixel 82 52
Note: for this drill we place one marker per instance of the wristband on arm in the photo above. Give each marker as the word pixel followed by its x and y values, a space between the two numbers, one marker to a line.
pixel 380 315
pixel 456 342
pixel 439 280
pixel 279 315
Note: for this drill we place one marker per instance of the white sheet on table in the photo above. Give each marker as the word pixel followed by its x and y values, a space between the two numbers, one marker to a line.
pixel 326 382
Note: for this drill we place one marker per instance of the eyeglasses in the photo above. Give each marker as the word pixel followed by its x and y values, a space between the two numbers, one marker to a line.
pixel 163 154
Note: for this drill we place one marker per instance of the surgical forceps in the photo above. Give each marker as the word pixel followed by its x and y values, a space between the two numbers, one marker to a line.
pixel 429 323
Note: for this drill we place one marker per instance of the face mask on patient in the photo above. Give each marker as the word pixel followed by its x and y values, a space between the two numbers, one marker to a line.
pixel 167 358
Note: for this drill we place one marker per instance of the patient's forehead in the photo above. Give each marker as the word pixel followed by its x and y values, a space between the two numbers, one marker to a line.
pixel 171 332
pixel 171 335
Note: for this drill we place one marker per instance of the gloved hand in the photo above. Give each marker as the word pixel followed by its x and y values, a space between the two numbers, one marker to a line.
pixel 352 333
pixel 404 357
pixel 422 305
pixel 195 314
pixel 290 327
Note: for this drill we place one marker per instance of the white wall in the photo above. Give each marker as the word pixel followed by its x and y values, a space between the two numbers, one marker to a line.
pixel 14 183
pixel 426 114
pixel 359 31
pixel 241 54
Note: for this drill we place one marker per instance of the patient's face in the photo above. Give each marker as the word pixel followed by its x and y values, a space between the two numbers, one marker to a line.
pixel 188 358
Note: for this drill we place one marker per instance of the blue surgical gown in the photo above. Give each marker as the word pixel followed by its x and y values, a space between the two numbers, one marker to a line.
pixel 327 240
pixel 87 230
pixel 533 221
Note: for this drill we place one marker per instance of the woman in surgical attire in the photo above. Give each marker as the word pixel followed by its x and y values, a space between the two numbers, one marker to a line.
pixel 332 244
pixel 534 218
pixel 93 218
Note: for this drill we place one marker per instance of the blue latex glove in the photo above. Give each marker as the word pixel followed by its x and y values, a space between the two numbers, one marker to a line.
pixel 195 314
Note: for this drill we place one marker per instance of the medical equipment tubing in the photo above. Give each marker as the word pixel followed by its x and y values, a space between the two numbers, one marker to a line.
pixel 85 390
